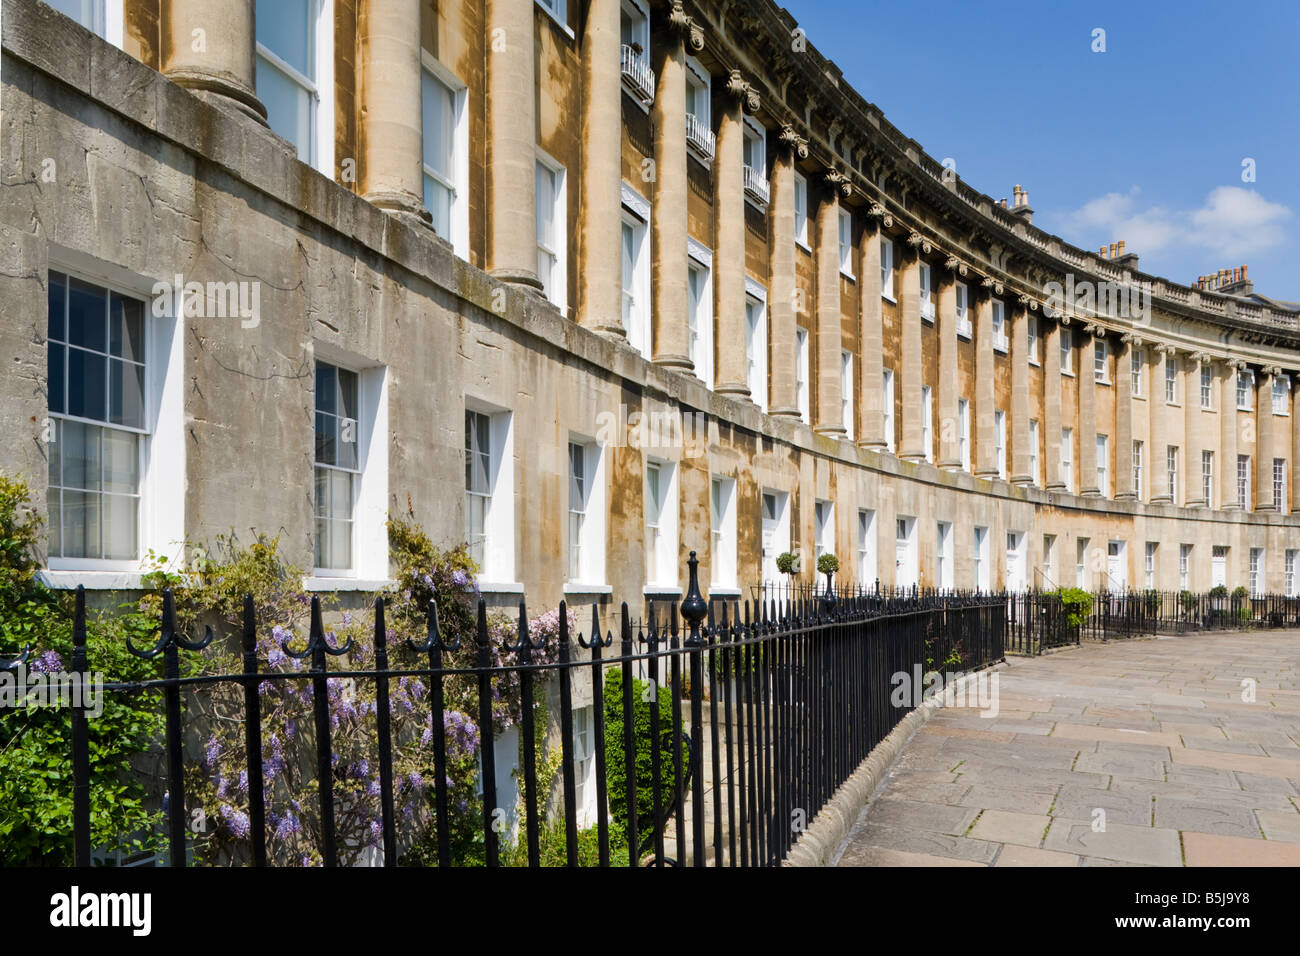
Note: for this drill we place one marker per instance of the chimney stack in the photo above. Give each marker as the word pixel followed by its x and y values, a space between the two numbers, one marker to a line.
pixel 1020 203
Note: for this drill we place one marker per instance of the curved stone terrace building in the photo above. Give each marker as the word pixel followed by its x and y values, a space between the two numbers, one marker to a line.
pixel 591 284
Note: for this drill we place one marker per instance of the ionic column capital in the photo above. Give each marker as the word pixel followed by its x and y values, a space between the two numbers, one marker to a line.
pixel 953 264
pixel 837 182
pixel 919 243
pixel 742 92
pixel 877 211
pixel 789 139
pixel 684 26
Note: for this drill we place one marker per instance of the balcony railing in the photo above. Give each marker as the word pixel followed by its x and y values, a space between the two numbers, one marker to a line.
pixel 699 138
pixel 756 186
pixel 637 75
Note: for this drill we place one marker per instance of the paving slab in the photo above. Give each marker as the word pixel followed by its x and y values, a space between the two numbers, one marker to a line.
pixel 1152 732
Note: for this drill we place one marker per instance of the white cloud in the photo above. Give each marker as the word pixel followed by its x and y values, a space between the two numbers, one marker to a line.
pixel 1232 223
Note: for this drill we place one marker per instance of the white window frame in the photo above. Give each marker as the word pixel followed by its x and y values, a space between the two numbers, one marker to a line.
pixel 1171 467
pixel 1282 395
pixel 1256 571
pixel 558 293
pixel 780 542
pixel 459 183
pixel 498 566
pixel 1207 476
pixel 661 564
pixel 160 515
pixel 1001 341
pixel 722 526
pixel 1100 352
pixel 1288 574
pixel 980 569
pixel 961 295
pixel 927 421
pixel 1244 482
pixel 753 131
pixel 1136 363
pixel 846 393
pixel 320 88
pixel 867 572
pixel 1000 441
pixel 591 570
pixel 637 326
pixel 846 243
pixel 756 344
pixel 1034 462
pixel 1066 345
pixel 370 484
pixel 1138 447
pixel 823 528
pixel 1149 565
pixel 1207 387
pixel 1279 485
pixel 801 212
pixel 802 385
pixel 1171 381
pixel 1103 465
pixel 1067 458
pixel 963 433
pixel 1031 338
pixel 105 16
pixel 700 310
pixel 1246 387
pixel 698 76
pixel 887 269
pixel 1185 566
pixel 1017 577
pixel 926 294
pixel 907 571
pixel 1081 562
pixel 887 406
pixel 943 576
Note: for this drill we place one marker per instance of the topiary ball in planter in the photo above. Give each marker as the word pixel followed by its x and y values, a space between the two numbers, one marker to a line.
pixel 787 562
pixel 827 564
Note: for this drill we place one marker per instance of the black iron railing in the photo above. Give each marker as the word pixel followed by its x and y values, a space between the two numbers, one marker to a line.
pixel 771 706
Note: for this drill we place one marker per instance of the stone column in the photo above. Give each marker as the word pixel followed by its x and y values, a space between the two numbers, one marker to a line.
pixel 1157 466
pixel 946 279
pixel 1228 433
pixel 1021 409
pixel 668 209
pixel 827 417
pixel 1192 441
pixel 729 260
pixel 909 375
pixel 1087 431
pixel 1124 489
pixel 871 432
pixel 600 270
pixel 1052 405
pixel 781 300
pixel 512 143
pixel 1264 430
pixel 223 72
pixel 392 121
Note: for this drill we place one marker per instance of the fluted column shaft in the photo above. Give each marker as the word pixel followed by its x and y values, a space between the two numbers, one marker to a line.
pixel 909 375
pixel 781 302
pixel 600 284
pixel 1228 436
pixel 1087 417
pixel 949 453
pixel 1159 435
pixel 1264 431
pixel 668 214
pixel 729 262
pixel 224 69
pixel 388 91
pixel 1056 481
pixel 1193 495
pixel 829 418
pixel 512 143
pixel 1294 464
pixel 1021 409
pixel 871 432
pixel 1124 420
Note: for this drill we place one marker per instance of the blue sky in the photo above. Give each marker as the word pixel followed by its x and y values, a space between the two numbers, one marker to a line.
pixel 1144 142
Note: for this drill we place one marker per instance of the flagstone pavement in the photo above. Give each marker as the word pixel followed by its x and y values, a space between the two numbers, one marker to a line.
pixel 1133 753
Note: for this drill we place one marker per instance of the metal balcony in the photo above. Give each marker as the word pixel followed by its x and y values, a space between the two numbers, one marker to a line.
pixel 699 138
pixel 637 75
pixel 756 187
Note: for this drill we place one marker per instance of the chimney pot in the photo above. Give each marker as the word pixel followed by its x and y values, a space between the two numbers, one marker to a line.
pixel 1121 247
pixel 1114 250
pixel 1243 273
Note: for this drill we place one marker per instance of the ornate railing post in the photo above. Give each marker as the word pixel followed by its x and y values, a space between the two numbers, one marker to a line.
pixel 694 609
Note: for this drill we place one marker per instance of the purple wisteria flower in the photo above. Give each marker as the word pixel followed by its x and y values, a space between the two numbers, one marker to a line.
pixel 236 820
pixel 48 663
pixel 459 578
